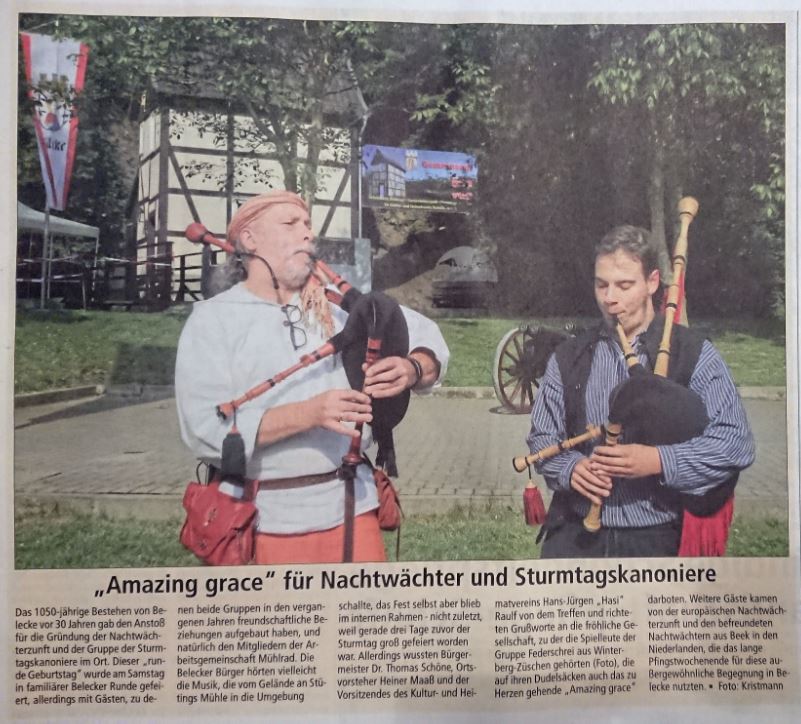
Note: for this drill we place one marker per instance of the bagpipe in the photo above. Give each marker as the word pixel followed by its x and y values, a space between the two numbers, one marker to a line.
pixel 649 407
pixel 375 328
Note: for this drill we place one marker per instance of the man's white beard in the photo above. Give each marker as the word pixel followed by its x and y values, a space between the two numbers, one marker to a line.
pixel 294 280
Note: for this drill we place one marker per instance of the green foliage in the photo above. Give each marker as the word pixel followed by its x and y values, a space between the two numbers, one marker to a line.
pixel 493 532
pixel 708 100
pixel 472 344
pixel 753 361
pixel 467 94
pixel 498 532
pixel 281 71
pixel 102 176
pixel 659 65
pixel 758 537
pixel 579 128
pixel 576 128
pixel 545 189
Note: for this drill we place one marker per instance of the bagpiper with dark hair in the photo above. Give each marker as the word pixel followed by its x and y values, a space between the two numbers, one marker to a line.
pixel 644 489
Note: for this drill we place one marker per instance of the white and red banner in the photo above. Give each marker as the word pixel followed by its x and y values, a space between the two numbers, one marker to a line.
pixel 55 70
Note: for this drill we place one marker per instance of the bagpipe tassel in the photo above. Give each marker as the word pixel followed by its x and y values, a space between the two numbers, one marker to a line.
pixel 233 463
pixel 533 505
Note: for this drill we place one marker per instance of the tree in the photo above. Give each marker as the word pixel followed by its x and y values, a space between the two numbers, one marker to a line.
pixel 575 128
pixel 704 104
pixel 579 128
pixel 283 72
pixel 539 187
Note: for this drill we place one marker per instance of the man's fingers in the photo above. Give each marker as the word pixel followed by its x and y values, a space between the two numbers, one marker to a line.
pixel 355 408
pixel 385 366
pixel 352 416
pixel 614 471
pixel 355 396
pixel 338 406
pixel 600 473
pixel 610 461
pixel 343 429
pixel 345 423
pixel 593 498
pixel 390 376
pixel 349 401
pixel 629 461
pixel 589 484
pixel 608 452
pixel 351 413
pixel 596 479
pixel 384 389
pixel 595 489
pixel 604 471
pixel 386 377
pixel 587 492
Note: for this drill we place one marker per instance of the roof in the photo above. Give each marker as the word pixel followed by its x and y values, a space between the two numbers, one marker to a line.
pixel 343 98
pixel 29 219
pixel 382 156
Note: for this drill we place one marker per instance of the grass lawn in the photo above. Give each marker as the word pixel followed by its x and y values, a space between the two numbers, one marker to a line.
pixel 69 348
pixel 79 540
pixel 753 350
pixel 472 344
pixel 753 361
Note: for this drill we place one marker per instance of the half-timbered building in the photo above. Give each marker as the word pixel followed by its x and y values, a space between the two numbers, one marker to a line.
pixel 202 154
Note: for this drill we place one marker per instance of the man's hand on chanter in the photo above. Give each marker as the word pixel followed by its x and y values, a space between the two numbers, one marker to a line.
pixel 338 410
pixel 589 482
pixel 389 376
pixel 627 461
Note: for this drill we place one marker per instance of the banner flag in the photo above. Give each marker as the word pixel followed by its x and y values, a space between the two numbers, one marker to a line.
pixel 55 71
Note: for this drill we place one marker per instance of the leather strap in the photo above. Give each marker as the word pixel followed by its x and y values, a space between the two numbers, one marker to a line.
pixel 350 510
pixel 303 481
pixel 300 481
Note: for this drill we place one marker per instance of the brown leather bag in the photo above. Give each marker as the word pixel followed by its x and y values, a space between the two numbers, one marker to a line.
pixel 389 508
pixel 219 529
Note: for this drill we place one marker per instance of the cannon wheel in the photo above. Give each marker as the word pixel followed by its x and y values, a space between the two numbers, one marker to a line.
pixel 512 374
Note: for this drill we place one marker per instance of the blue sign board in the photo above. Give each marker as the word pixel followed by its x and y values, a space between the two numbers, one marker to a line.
pixel 410 178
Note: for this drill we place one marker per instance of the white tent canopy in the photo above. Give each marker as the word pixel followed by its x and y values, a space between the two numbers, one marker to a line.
pixel 29 219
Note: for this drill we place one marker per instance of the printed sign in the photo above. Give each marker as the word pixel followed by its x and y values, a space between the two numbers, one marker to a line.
pixel 410 178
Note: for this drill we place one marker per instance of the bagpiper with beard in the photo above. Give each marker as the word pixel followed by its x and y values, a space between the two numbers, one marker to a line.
pixel 296 434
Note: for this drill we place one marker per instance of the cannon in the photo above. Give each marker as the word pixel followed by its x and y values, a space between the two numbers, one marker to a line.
pixel 520 360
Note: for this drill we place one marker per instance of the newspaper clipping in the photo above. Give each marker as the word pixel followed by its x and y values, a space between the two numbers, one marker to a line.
pixel 417 638
pixel 498 597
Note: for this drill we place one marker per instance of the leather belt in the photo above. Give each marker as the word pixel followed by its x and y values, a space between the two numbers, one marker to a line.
pixel 301 481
